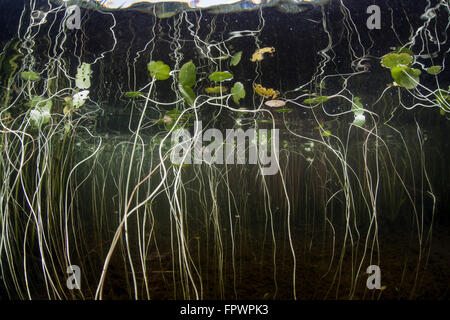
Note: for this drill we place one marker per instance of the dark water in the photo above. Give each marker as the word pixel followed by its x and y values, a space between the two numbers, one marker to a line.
pixel 344 198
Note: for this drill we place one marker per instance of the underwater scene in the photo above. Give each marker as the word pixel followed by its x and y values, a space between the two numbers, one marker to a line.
pixel 224 150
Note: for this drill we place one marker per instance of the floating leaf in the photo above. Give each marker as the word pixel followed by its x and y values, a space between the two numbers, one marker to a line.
pixel 187 93
pixel 320 99
pixel 406 77
pixel 30 76
pixel 404 50
pixel 359 120
pixel 392 60
pixel 40 115
pixel 132 94
pixel 264 121
pixel 326 133
pixel 236 58
pixel 216 90
pixel 83 77
pixel 434 70
pixel 187 76
pixel 238 92
pixel 80 98
pixel 283 110
pixel 443 100
pixel 159 70
pixel 357 106
pixel 183 165
pixel 220 76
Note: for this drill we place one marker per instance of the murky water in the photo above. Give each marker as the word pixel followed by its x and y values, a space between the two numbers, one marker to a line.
pixel 352 117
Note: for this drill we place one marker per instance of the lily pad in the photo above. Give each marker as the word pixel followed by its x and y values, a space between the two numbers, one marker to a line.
pixel 357 106
pixel 320 99
pixel 443 100
pixel 282 110
pixel 83 77
pixel 392 60
pixel 434 70
pixel 30 76
pixel 236 58
pixel 406 77
pixel 404 50
pixel 216 90
pixel 187 93
pixel 238 92
pixel 40 115
pixel 132 94
pixel 187 76
pixel 359 120
pixel 80 98
pixel 326 133
pixel 220 76
pixel 159 70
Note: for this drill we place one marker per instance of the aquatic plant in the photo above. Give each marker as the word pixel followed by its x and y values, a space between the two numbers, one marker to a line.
pixel 82 189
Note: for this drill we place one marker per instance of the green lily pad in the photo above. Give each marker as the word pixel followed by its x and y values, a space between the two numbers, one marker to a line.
pixel 40 114
pixel 215 90
pixel 404 50
pixel 132 94
pixel 282 110
pixel 36 102
pixel 326 133
pixel 357 106
pixel 187 93
pixel 30 76
pixel 220 76
pixel 238 92
pixel 359 120
pixel 187 76
pixel 434 70
pixel 236 58
pixel 159 70
pixel 264 121
pixel 392 60
pixel 83 76
pixel 406 77
pixel 183 165
pixel 443 100
pixel 320 99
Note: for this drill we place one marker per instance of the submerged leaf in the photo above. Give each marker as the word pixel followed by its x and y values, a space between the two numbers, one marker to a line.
pixel 159 70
